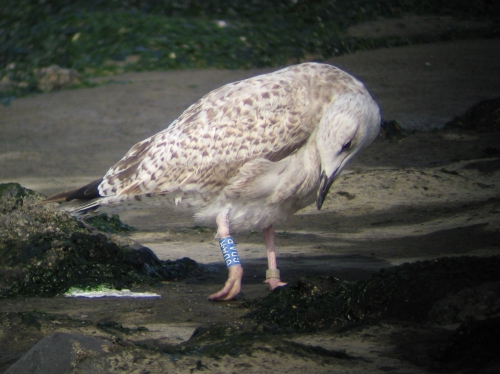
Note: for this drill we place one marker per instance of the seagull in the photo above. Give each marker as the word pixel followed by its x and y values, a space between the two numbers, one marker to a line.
pixel 244 157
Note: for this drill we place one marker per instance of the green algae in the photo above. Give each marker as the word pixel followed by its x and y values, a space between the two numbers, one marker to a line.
pixel 45 252
pixel 99 38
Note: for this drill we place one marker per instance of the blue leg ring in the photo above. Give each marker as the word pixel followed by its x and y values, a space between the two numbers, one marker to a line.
pixel 229 253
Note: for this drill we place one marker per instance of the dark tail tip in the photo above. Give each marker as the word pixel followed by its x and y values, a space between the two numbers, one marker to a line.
pixel 87 192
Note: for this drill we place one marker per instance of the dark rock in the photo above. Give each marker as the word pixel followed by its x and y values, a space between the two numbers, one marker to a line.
pixel 392 130
pixel 482 117
pixel 474 347
pixel 59 353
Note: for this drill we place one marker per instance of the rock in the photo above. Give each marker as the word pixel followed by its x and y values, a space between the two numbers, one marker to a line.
pixel 392 130
pixel 45 252
pixel 13 196
pixel 54 77
pixel 59 353
pixel 482 117
pixel 474 347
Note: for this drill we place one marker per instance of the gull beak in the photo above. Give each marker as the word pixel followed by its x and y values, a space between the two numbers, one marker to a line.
pixel 324 186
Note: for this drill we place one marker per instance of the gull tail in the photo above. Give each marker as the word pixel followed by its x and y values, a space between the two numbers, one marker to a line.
pixel 87 199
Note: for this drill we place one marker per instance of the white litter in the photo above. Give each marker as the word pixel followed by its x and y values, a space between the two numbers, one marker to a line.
pixel 108 292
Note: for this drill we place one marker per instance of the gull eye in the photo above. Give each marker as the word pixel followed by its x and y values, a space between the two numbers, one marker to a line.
pixel 347 145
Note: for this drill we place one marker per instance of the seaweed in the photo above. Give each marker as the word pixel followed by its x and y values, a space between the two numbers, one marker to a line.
pixel 96 38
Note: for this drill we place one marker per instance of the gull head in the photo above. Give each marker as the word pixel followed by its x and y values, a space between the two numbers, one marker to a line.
pixel 351 122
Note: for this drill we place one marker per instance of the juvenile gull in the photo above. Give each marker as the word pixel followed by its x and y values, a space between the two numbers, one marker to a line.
pixel 245 156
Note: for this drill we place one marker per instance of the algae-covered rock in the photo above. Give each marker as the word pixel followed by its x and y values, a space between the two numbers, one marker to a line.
pixel 44 251
pixel 108 224
pixel 409 292
pixel 310 303
pixel 392 130
pixel 482 117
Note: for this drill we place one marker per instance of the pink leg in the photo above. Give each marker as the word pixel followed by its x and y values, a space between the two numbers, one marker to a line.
pixel 232 287
pixel 272 273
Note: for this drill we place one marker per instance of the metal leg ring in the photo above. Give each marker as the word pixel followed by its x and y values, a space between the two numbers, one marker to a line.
pixel 272 273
